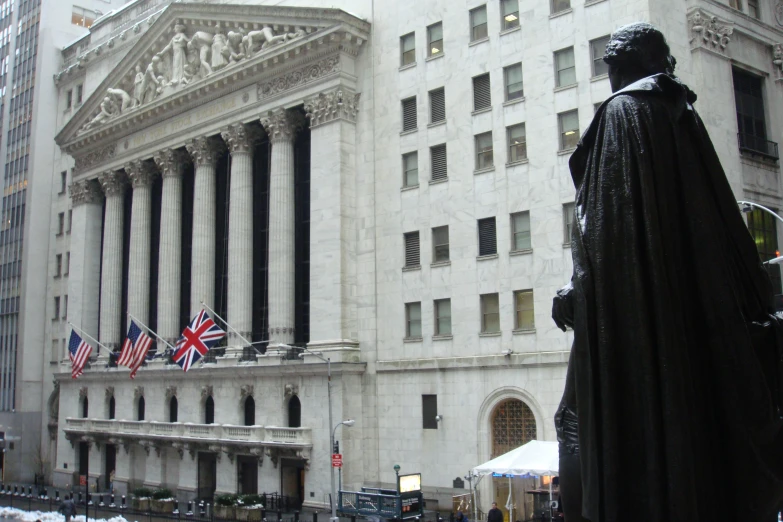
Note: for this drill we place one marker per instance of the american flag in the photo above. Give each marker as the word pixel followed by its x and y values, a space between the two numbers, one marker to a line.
pixel 79 353
pixel 135 349
pixel 198 337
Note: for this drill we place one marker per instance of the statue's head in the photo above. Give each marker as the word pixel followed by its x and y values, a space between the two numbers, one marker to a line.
pixel 636 51
pixel 179 27
pixel 155 59
pixel 138 68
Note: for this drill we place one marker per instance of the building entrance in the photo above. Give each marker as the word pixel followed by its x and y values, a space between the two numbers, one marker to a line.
pixel 207 475
pixel 292 480
pixel 247 474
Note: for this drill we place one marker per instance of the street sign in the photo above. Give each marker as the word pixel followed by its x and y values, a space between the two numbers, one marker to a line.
pixel 337 460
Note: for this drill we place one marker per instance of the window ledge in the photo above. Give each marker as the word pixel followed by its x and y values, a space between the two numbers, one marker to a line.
pixel 484 170
pixel 490 334
pixel 434 57
pixel 436 181
pixel 437 264
pixel 57 276
pixel 411 268
pixel 412 340
pixel 566 87
pixel 524 331
pixel 58 234
pixel 409 66
pixel 508 103
pixel 512 30
pixel 411 131
pixel 486 257
pixel 406 189
pixel 61 193
pixel 442 337
pixel 479 41
pixel 436 124
pixel 758 158
pixel 600 77
pixel 588 3
pixel 481 111
pixel 521 252
pixel 515 163
pixel 566 152
pixel 561 13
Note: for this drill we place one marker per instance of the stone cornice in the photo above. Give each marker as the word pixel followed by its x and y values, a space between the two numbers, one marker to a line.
pixel 709 32
pixel 337 104
pixel 86 192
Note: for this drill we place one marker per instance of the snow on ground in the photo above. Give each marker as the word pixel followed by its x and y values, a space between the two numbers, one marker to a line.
pixel 50 516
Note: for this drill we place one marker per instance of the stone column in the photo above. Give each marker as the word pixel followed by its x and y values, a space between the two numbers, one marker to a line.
pixel 83 278
pixel 188 474
pixel 281 127
pixel 204 152
pixel 240 140
pixel 141 176
pixel 114 184
pixel 171 163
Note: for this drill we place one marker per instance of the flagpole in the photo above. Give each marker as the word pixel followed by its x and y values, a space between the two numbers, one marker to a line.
pixel 205 305
pixel 151 331
pixel 88 336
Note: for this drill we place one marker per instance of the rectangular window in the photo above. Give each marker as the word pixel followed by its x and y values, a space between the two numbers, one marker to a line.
pixel 67 263
pixel 429 412
pixel 60 223
pixel 69 99
pixel 79 94
pixel 490 313
pixel 412 254
pixel 70 220
pixel 438 158
pixel 478 23
pixel 408 49
pixel 65 307
pixel 435 39
pixel 487 237
pixel 523 304
pixel 440 244
pixel 63 181
pixel 517 143
pixel 409 114
pixel 437 106
pixel 569 129
pixel 597 51
pixel 55 349
pixel 83 17
pixel 513 81
pixel 751 114
pixel 443 317
pixel 753 8
pixel 560 5
pixel 568 221
pixel 412 320
pixel 58 265
pixel 484 156
pixel 520 231
pixel 410 169
pixel 509 11
pixel 56 308
pixel 565 70
pixel 482 98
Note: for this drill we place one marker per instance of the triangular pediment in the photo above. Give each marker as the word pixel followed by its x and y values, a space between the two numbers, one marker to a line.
pixel 194 47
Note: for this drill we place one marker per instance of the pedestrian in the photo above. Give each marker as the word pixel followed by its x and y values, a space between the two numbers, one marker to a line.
pixel 111 482
pixel 67 508
pixel 495 515
pixel 461 517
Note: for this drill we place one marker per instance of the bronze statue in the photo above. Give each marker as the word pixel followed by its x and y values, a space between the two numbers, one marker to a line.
pixel 672 405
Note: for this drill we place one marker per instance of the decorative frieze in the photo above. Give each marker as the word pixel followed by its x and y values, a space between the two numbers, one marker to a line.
pixel 290 390
pixel 109 392
pixel 281 124
pixel 331 106
pixel 779 13
pixel 710 32
pixel 141 173
pixel 246 390
pixel 138 391
pixel 204 150
pixel 83 392
pixel 206 391
pixel 171 162
pixel 777 60
pixel 300 77
pixel 90 159
pixel 113 183
pixel 86 192
pixel 239 137
pixel 171 391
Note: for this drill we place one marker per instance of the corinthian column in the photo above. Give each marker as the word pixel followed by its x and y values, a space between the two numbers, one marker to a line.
pixel 114 184
pixel 141 176
pixel 171 163
pixel 281 127
pixel 204 152
pixel 239 139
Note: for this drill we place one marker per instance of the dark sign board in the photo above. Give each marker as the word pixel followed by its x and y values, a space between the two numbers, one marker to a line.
pixel 411 505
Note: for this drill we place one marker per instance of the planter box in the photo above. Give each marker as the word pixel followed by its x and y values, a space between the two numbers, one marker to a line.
pixel 162 506
pixel 141 504
pixel 249 514
pixel 225 512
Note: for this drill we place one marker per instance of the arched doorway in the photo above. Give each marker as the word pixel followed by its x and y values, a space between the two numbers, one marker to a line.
pixel 209 411
pixel 173 409
pixel 111 407
pixel 85 408
pixel 294 412
pixel 140 407
pixel 250 411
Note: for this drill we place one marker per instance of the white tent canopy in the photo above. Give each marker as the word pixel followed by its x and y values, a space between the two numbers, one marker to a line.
pixel 537 457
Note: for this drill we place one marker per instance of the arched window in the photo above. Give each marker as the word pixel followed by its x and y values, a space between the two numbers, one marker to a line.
pixel 513 424
pixel 209 411
pixel 85 408
pixel 111 407
pixel 140 409
pixel 250 411
pixel 294 413
pixel 173 407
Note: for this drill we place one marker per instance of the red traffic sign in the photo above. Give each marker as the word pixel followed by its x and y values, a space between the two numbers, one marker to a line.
pixel 337 460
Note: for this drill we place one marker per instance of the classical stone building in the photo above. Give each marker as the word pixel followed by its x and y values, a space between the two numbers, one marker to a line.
pixel 383 183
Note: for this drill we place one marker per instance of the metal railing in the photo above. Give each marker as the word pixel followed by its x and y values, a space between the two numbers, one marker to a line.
pixel 758 145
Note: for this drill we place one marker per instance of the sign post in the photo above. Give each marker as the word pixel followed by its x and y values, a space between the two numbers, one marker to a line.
pixel 337 460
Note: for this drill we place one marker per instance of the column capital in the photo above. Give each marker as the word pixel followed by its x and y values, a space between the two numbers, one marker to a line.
pixel 204 150
pixel 281 125
pixel 171 162
pixel 113 183
pixel 239 137
pixel 140 172
pixel 333 105
pixel 86 192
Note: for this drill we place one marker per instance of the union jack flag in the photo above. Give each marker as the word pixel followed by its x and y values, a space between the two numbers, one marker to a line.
pixel 198 337
pixel 135 349
pixel 79 353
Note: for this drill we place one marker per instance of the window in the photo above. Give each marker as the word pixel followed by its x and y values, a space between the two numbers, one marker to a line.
pixel 487 237
pixel 490 313
pixel 597 51
pixel 56 308
pixel 63 181
pixel 751 114
pixel 409 114
pixel 513 81
pixel 517 143
pixel 112 407
pixel 437 106
pixel 70 220
pixel 440 244
pixel 523 304
pixel 60 223
pixel 429 410
pixel 565 70
pixel 408 49
pixel 560 5
pixel 435 39
pixel 509 11
pixel 443 317
pixel 79 93
pixel 569 129
pixel 69 99
pixel 294 412
pixel 58 265
pixel 141 408
pixel 482 99
pixel 250 411
pixel 83 17
pixel 85 408
pixel 438 159
pixel 65 307
pixel 67 263
pixel 412 257
pixel 410 169
pixel 412 320
pixel 209 410
pixel 173 409
pixel 568 221
pixel 513 424
pixel 520 231
pixel 478 23
pixel 484 156
pixel 753 8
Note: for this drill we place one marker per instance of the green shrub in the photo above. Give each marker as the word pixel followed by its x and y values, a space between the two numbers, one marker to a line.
pixel 142 492
pixel 251 499
pixel 226 500
pixel 160 494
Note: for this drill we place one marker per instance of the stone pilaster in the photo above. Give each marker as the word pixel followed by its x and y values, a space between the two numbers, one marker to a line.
pixel 114 184
pixel 281 126
pixel 141 176
pixel 205 152
pixel 240 141
pixel 171 163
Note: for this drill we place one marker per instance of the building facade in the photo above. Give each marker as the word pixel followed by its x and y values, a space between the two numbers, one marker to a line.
pixel 385 184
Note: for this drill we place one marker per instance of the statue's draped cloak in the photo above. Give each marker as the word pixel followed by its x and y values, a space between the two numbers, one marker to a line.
pixel 676 389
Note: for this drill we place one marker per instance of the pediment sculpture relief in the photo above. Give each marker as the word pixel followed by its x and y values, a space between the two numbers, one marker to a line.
pixel 188 57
